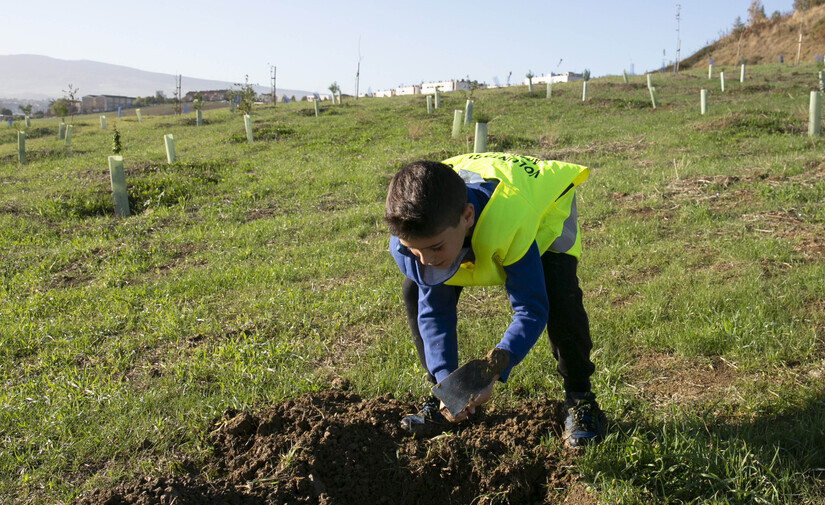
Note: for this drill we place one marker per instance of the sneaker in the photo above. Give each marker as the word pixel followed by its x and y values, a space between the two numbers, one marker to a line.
pixel 582 425
pixel 428 422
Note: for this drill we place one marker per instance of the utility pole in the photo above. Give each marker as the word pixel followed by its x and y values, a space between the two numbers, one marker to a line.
pixel 358 71
pixel 272 72
pixel 177 95
pixel 678 40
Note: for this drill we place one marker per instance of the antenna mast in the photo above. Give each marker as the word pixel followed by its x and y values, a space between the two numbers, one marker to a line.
pixel 358 71
pixel 272 71
pixel 178 94
pixel 678 39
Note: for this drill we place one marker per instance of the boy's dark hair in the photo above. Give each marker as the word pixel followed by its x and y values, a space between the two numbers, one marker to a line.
pixel 424 198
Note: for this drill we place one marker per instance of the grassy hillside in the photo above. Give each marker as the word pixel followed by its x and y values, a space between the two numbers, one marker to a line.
pixel 252 273
pixel 765 42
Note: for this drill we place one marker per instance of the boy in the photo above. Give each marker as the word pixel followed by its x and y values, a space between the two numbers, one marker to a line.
pixel 487 219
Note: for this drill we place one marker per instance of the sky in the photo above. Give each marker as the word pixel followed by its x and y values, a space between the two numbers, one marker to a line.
pixel 313 43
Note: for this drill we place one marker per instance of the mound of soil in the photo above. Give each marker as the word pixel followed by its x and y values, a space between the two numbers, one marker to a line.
pixel 334 447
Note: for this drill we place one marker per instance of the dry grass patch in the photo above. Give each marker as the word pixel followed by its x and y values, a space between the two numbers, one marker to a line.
pixel 553 147
pixel 663 379
pixel 417 129
pixel 806 238
pixel 329 202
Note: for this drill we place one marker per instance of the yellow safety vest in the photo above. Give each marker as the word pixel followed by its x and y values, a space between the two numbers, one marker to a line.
pixel 534 200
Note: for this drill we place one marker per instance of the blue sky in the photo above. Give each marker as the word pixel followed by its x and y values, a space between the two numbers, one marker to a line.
pixel 313 43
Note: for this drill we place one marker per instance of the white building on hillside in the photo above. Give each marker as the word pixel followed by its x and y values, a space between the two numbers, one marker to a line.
pixel 429 87
pixel 408 90
pixel 554 78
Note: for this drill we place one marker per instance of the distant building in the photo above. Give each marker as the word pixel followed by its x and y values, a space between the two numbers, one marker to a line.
pixel 217 95
pixel 104 103
pixel 429 87
pixel 408 90
pixel 554 78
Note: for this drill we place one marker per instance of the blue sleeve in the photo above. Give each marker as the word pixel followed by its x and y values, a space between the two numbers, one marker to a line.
pixel 437 324
pixel 528 298
pixel 436 315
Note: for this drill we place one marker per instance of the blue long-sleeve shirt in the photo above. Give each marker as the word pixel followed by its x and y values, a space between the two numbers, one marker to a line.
pixel 437 303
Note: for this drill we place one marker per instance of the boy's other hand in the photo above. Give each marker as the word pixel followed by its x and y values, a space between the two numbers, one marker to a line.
pixel 481 399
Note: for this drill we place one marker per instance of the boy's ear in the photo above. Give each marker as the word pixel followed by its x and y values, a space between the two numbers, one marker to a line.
pixel 469 214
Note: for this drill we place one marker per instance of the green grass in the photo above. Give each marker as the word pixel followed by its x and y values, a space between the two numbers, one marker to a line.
pixel 250 273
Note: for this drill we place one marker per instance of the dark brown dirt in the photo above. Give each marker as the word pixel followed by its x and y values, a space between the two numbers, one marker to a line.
pixel 334 447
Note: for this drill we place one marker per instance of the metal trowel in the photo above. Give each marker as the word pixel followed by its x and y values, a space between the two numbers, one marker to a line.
pixel 467 382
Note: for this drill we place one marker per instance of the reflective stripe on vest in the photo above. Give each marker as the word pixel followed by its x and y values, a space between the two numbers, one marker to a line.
pixel 569 233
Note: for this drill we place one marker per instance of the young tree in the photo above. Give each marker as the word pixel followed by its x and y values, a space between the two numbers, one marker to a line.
pixel 803 5
pixel 70 95
pixel 334 88
pixel 738 26
pixel 756 13
pixel 177 99
pixel 59 108
pixel 246 94
pixel 25 109
pixel 197 101
pixel 117 147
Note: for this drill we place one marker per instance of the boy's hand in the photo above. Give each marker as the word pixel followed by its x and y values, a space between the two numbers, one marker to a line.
pixel 481 399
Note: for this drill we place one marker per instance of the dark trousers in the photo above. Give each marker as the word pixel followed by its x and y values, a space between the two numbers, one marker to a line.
pixel 568 328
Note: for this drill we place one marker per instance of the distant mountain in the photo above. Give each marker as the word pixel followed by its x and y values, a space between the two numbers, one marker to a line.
pixel 33 77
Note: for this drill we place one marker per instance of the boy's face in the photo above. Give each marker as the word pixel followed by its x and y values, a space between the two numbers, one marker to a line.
pixel 441 250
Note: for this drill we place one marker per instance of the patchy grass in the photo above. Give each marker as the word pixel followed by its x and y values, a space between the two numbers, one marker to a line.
pixel 253 273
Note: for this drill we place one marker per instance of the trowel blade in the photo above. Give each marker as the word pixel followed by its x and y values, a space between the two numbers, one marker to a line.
pixel 459 388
